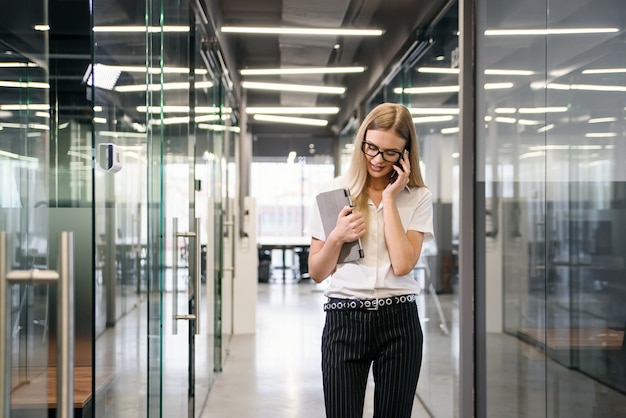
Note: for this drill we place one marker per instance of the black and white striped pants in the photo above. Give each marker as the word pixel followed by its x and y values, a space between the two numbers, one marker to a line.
pixel 390 340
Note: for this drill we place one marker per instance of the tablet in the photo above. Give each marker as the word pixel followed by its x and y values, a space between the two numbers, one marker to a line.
pixel 330 204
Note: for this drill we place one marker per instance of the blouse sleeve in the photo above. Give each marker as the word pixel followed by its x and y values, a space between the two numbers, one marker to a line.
pixel 422 219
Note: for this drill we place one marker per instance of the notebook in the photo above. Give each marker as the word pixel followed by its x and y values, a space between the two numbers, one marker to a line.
pixel 330 204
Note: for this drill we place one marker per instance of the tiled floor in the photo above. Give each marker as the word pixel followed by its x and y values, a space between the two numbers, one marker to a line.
pixel 276 373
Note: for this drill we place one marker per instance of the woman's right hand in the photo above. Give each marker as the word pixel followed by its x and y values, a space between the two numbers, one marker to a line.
pixel 350 225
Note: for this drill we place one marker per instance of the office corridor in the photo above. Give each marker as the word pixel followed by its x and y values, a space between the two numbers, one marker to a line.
pixel 276 373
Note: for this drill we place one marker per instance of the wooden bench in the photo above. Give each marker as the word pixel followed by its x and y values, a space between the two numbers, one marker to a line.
pixel 574 338
pixel 41 392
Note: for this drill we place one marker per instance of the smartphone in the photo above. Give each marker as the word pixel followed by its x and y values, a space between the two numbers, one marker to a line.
pixel 394 173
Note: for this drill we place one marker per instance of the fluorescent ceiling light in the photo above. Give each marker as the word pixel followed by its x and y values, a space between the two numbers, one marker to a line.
pixel 586 87
pixel 430 119
pixel 25 106
pixel 601 135
pixel 508 72
pixel 426 90
pixel 140 29
pixel 293 110
pixel 605 71
pixel 18 157
pixel 433 111
pixel 158 87
pixel 301 31
pixel 498 86
pixel 447 131
pixel 291 120
pixel 554 31
pixel 528 122
pixel 437 70
pixel 502 119
pixel 154 70
pixel 40 126
pixel 546 128
pixel 17 64
pixel 505 110
pixel 25 84
pixel 305 70
pixel 440 70
pixel 114 134
pixel 293 87
pixel 532 110
pixel 176 120
pixel 602 120
pixel 183 109
pixel 42 28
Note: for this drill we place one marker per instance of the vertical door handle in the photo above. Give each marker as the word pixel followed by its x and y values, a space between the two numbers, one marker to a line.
pixel 196 258
pixel 64 278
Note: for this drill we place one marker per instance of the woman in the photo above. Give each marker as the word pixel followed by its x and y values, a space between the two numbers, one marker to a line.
pixel 371 314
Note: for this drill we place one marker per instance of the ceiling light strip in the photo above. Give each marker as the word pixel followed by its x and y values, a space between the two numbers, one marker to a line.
pixel 301 31
pixel 293 110
pixel 140 29
pixel 290 120
pixel 293 87
pixel 300 71
pixel 554 31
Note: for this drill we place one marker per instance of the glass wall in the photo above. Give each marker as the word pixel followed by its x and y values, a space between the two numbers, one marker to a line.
pixel 427 83
pixel 24 178
pixel 551 104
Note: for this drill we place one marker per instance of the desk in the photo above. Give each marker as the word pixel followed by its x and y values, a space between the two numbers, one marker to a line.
pixel 288 243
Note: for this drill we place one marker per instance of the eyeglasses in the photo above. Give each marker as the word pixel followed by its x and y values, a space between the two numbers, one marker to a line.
pixel 372 150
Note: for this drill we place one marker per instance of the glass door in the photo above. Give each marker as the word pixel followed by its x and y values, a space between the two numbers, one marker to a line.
pixel 162 113
pixel 24 173
pixel 184 164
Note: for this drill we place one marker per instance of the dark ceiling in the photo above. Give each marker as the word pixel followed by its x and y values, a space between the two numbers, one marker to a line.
pixel 403 21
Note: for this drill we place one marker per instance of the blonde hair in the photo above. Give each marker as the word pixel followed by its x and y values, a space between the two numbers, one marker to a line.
pixel 384 117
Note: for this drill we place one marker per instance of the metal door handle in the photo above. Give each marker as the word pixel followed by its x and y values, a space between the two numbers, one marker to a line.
pixel 64 278
pixel 197 279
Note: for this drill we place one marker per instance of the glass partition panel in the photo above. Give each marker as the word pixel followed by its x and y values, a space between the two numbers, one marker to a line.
pixel 118 82
pixel 427 83
pixel 24 175
pixel 550 148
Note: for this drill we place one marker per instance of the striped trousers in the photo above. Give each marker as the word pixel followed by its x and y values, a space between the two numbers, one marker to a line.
pixel 389 340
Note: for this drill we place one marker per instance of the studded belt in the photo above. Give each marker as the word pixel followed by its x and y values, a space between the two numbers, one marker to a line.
pixel 335 304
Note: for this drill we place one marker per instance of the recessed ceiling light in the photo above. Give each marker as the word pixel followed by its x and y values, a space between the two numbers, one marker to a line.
pixel 291 120
pixel 293 87
pixel 426 90
pixel 140 29
pixel 304 70
pixel 293 110
pixel 302 31
pixel 553 31
pixel 605 71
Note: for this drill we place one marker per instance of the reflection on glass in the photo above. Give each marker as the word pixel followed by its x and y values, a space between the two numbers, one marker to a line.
pixel 428 85
pixel 549 157
pixel 24 176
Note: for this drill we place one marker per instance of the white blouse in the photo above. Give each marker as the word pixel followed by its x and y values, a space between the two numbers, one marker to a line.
pixel 372 276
